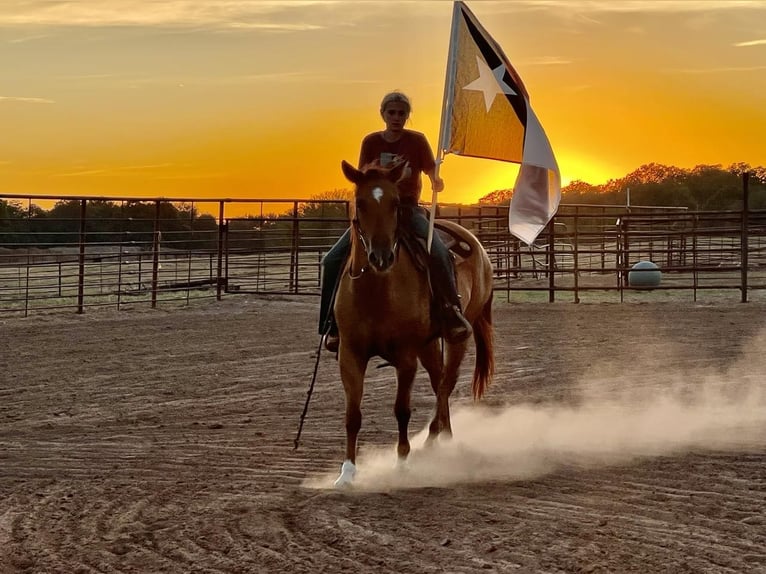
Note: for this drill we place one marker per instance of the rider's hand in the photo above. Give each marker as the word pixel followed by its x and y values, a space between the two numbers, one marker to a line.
pixel 437 184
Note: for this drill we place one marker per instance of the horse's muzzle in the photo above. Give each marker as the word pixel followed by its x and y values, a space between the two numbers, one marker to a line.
pixel 381 259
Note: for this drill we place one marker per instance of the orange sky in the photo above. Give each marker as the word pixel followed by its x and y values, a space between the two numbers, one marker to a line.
pixel 263 99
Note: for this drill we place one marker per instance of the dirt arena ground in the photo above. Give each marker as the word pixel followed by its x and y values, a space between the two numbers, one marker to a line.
pixel 615 438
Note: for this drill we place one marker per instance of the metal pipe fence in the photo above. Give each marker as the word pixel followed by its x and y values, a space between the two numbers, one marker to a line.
pixel 95 252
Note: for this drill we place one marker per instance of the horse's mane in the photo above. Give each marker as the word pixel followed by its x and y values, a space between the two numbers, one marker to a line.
pixel 374 168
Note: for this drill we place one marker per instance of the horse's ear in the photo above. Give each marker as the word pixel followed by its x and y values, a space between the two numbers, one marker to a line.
pixel 352 174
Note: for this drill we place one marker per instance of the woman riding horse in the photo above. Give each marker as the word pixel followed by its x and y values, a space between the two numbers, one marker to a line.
pixel 393 145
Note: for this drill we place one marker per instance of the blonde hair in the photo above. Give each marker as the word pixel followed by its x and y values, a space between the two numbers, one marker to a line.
pixel 395 97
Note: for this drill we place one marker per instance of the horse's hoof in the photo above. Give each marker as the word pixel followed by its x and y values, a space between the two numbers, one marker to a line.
pixel 347 473
pixel 402 464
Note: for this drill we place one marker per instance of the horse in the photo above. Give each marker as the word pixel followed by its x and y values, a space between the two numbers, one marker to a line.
pixel 383 308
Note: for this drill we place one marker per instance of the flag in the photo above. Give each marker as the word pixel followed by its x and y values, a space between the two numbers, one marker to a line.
pixel 486 114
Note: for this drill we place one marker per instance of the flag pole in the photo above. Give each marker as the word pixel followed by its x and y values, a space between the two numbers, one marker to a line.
pixel 444 126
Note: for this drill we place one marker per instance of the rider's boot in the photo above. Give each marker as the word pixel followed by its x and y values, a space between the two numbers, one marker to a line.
pixel 456 327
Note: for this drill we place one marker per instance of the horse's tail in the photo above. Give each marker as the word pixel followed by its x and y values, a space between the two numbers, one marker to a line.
pixel 484 338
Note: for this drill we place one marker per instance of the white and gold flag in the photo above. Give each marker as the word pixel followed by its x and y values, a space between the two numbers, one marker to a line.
pixel 486 114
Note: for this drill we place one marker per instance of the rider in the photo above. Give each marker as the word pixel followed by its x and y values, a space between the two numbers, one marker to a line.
pixel 396 143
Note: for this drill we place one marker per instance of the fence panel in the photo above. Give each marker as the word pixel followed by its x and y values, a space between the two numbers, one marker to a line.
pixel 155 252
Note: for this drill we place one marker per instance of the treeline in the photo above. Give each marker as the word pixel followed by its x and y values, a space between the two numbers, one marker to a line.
pixel 105 222
pixel 324 216
pixel 702 188
pixel 181 225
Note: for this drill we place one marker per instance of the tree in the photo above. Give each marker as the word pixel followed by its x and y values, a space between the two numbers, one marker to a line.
pixel 497 197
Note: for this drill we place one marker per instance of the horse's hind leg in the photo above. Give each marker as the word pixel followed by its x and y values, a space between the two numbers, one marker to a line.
pixel 455 355
pixel 431 359
pixel 405 376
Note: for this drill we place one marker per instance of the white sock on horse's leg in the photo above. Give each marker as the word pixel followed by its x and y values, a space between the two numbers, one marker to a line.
pixel 347 473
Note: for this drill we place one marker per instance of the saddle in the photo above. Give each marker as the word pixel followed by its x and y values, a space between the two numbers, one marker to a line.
pixel 418 247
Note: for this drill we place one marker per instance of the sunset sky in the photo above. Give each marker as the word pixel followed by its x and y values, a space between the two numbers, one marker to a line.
pixel 263 99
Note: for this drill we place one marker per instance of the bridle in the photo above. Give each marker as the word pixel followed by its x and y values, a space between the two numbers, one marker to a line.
pixel 367 245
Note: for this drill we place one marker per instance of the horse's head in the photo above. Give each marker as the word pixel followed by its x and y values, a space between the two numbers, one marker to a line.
pixel 376 208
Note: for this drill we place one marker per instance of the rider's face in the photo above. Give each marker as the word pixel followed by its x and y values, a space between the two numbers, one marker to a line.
pixel 395 115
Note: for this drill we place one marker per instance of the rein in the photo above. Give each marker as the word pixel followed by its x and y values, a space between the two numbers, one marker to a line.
pixel 360 235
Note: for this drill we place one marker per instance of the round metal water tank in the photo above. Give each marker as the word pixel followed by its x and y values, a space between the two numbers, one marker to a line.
pixel 644 274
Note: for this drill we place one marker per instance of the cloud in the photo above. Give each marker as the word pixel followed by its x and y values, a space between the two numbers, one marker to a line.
pixel 630 6
pixel 26 100
pixel 750 43
pixel 109 171
pixel 25 39
pixel 721 70
pixel 293 15
pixel 546 61
pixel 302 15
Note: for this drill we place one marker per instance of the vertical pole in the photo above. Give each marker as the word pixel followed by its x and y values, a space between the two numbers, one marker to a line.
pixel 551 262
pixel 119 277
pixel 626 251
pixel 695 259
pixel 575 255
pixel 155 253
pixel 745 238
pixel 81 259
pixel 221 227
pixel 294 251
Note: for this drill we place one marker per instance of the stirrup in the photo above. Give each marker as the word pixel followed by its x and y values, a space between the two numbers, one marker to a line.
pixel 331 342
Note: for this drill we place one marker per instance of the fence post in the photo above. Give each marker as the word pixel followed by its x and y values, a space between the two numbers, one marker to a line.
pixel 575 256
pixel 81 259
pixel 551 261
pixel 155 253
pixel 695 259
pixel 619 255
pixel 294 251
pixel 221 229
pixel 745 238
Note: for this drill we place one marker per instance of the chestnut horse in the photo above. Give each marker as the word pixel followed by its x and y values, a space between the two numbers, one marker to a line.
pixel 383 308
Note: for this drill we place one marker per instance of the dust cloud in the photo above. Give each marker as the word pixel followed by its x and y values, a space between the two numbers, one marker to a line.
pixel 615 417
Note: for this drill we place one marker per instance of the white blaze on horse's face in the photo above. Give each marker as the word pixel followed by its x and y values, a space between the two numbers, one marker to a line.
pixel 377 208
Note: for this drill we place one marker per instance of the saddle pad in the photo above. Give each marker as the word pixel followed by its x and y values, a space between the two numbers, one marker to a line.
pixel 419 250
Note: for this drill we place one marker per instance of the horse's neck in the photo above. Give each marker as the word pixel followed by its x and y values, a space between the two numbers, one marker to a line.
pixel 403 271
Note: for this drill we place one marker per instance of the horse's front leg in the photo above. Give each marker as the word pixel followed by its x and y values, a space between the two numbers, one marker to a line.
pixel 352 370
pixel 405 376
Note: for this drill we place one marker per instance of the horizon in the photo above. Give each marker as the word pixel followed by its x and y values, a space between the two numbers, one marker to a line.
pixel 264 99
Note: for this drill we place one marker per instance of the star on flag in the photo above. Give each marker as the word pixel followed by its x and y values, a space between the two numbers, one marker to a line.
pixel 490 82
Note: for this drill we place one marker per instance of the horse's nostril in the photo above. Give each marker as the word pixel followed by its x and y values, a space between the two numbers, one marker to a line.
pixel 391 258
